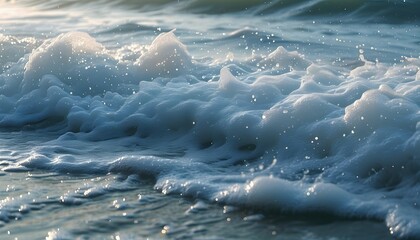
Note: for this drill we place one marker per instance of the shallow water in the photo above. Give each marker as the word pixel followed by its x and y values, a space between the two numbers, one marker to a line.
pixel 299 119
pixel 130 209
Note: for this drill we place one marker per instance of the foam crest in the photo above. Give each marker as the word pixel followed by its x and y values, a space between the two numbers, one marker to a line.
pixel 285 60
pixel 12 49
pixel 166 56
pixel 77 60
pixel 300 197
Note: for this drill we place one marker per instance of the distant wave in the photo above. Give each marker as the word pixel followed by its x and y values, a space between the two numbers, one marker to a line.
pixel 386 11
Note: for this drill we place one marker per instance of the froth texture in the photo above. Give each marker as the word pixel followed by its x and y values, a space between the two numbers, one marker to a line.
pixel 77 60
pixel 294 134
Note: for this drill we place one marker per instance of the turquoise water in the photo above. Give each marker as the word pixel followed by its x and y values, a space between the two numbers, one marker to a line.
pixel 209 119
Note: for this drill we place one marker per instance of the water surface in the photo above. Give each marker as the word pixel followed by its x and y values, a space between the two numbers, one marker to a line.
pixel 209 119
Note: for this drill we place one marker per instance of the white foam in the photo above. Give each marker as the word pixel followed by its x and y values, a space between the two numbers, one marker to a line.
pixel 77 60
pixel 285 60
pixel 295 196
pixel 311 137
pixel 166 56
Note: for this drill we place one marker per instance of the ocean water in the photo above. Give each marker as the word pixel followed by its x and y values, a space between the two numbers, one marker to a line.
pixel 208 119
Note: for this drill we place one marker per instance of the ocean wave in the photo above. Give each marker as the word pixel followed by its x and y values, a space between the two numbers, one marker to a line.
pixel 294 135
pixel 360 11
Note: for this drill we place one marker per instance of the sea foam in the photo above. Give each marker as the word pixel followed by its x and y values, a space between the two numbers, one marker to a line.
pixel 292 134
